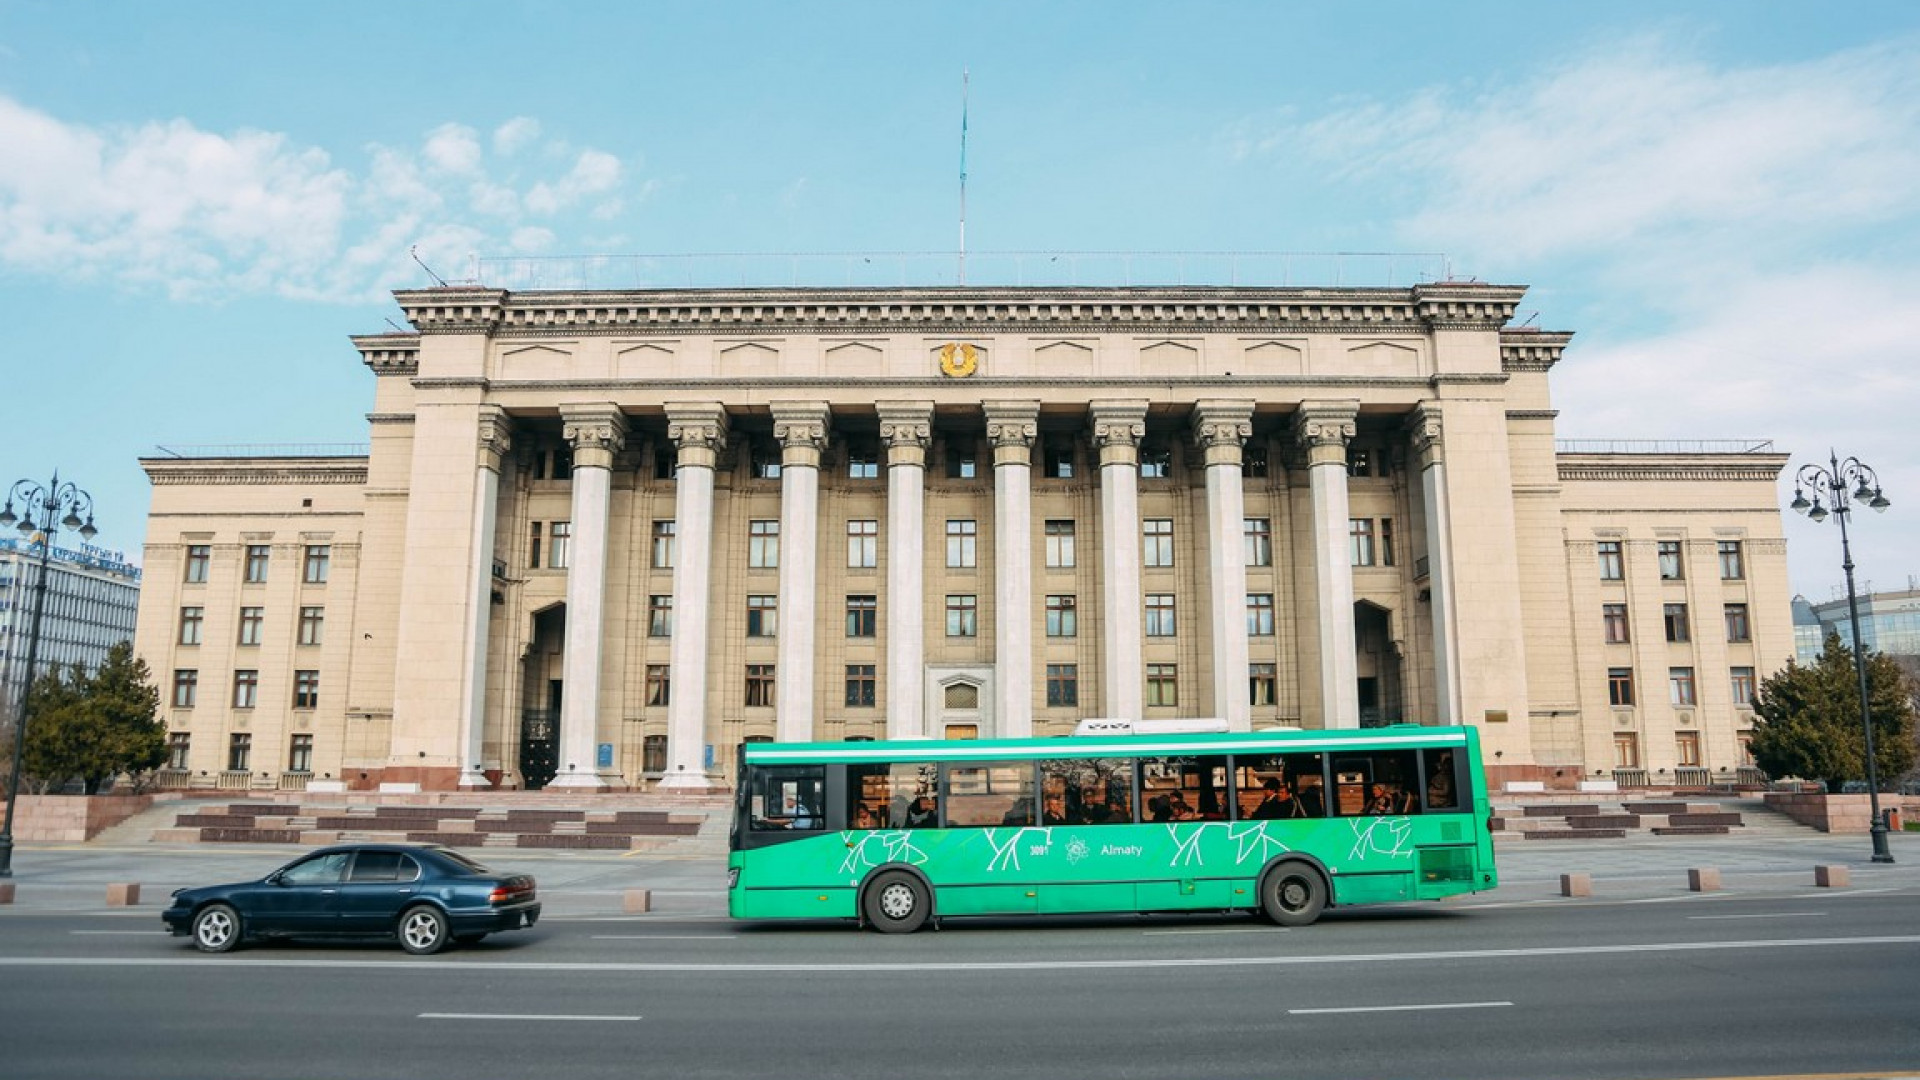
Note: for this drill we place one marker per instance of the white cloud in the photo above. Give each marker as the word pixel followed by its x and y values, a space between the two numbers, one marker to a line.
pixel 203 214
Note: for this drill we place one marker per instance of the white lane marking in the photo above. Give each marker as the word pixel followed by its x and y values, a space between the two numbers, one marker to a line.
pixel 1403 1008
pixel 1222 930
pixel 1768 915
pixel 515 1017
pixel 663 937
pixel 217 963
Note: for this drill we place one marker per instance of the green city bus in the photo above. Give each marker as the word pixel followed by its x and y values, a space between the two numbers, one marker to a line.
pixel 1281 822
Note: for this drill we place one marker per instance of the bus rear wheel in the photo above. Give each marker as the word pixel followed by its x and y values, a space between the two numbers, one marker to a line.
pixel 896 903
pixel 1293 894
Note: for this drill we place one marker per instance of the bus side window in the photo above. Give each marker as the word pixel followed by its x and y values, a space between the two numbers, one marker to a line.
pixel 788 797
pixel 1442 780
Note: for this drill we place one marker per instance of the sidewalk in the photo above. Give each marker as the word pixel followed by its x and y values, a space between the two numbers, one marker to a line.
pixel 594 884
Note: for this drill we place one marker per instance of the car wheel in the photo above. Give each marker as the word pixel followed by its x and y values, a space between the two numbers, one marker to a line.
pixel 423 930
pixel 896 903
pixel 469 939
pixel 1293 894
pixel 216 929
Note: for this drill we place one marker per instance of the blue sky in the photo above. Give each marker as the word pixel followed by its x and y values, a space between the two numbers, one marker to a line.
pixel 200 201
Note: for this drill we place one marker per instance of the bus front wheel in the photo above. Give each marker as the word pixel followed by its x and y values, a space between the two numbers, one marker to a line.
pixel 1293 894
pixel 897 903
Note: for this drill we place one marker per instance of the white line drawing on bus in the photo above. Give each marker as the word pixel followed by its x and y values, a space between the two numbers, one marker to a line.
pixel 1367 838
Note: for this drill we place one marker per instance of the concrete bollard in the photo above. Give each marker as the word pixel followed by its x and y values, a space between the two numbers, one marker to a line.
pixel 123 894
pixel 638 901
pixel 1703 879
pixel 1576 884
pixel 1830 877
pixel 6 892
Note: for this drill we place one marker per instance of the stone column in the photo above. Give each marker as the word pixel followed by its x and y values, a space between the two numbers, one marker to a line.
pixel 495 440
pixel 698 431
pixel 1012 427
pixel 1118 427
pixel 1221 430
pixel 1424 429
pixel 1323 429
pixel 906 427
pixel 596 432
pixel 801 427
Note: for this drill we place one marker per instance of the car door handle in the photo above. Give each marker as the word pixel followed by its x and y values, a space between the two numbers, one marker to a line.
pixel 328 892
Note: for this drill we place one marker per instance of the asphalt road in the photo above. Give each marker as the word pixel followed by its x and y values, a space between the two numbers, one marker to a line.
pixel 1769 977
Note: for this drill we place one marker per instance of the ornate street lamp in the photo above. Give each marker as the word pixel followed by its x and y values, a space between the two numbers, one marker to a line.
pixel 1832 484
pixel 45 510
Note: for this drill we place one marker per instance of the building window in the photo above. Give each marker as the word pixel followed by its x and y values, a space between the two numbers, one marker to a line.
pixel 240 752
pixel 179 750
pixel 1063 685
pixel 660 615
pixel 191 620
pixel 535 530
pixel 318 557
pixel 763 616
pixel 246 688
pixel 306 689
pixel 1738 628
pixel 860 686
pixel 963 462
pixel 251 621
pixel 1686 746
pixel 863 616
pixel 186 687
pixel 1611 565
pixel 666 462
pixel 560 551
pixel 1259 614
pixel 1157 539
pixel 765 461
pixel 653 754
pixel 198 556
pixel 963 616
pixel 1062 616
pixel 1253 461
pixel 1675 616
pixel 1620 686
pixel 256 563
pixel 1360 548
pixel 1614 616
pixel 1259 541
pixel 1163 684
pixel 1742 680
pixel 759 686
pixel 1156 462
pixel 1626 750
pixel 313 622
pixel 1057 458
pixel 1059 544
pixel 1160 622
pixel 962 541
pixel 763 545
pixel 863 462
pixel 863 544
pixel 1671 568
pixel 1733 565
pixel 1386 541
pixel 663 545
pixel 300 754
pixel 1360 461
pixel 659 687
pixel 1263 684
pixel 1680 685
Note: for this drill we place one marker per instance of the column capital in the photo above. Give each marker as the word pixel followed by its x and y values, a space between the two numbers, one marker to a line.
pixel 495 432
pixel 1221 428
pixel 1118 427
pixel 698 431
pixel 1011 428
pixel 907 429
pixel 596 431
pixel 1323 428
pixel 801 428
pixel 1424 430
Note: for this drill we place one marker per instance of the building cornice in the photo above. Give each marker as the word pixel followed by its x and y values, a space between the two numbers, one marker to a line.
pixel 1753 468
pixel 389 354
pixel 164 472
pixel 1532 350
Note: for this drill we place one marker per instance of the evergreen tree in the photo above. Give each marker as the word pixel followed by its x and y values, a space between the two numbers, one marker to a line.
pixel 93 726
pixel 1807 719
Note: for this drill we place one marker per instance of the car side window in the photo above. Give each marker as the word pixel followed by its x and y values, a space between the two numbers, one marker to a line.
pixel 319 870
pixel 383 866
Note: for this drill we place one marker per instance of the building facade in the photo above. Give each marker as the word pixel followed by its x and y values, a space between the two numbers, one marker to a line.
pixel 1889 622
pixel 93 596
pixel 599 539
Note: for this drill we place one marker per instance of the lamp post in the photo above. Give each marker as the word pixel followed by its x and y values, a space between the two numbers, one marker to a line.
pixel 42 512
pixel 1833 483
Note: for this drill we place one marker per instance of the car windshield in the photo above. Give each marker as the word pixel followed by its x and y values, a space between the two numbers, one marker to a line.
pixel 462 861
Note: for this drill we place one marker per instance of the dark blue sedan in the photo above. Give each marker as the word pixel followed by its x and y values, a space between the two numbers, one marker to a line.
pixel 424 895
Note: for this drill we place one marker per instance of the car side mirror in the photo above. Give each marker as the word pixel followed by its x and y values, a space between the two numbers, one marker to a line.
pixel 277 878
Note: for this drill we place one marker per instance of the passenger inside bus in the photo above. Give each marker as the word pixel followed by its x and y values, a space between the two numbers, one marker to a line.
pixel 922 813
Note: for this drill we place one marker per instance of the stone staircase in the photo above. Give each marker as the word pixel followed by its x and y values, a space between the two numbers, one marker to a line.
pixel 695 824
pixel 1614 820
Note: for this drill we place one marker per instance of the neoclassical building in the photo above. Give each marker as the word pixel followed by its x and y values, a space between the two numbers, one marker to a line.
pixel 598 539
